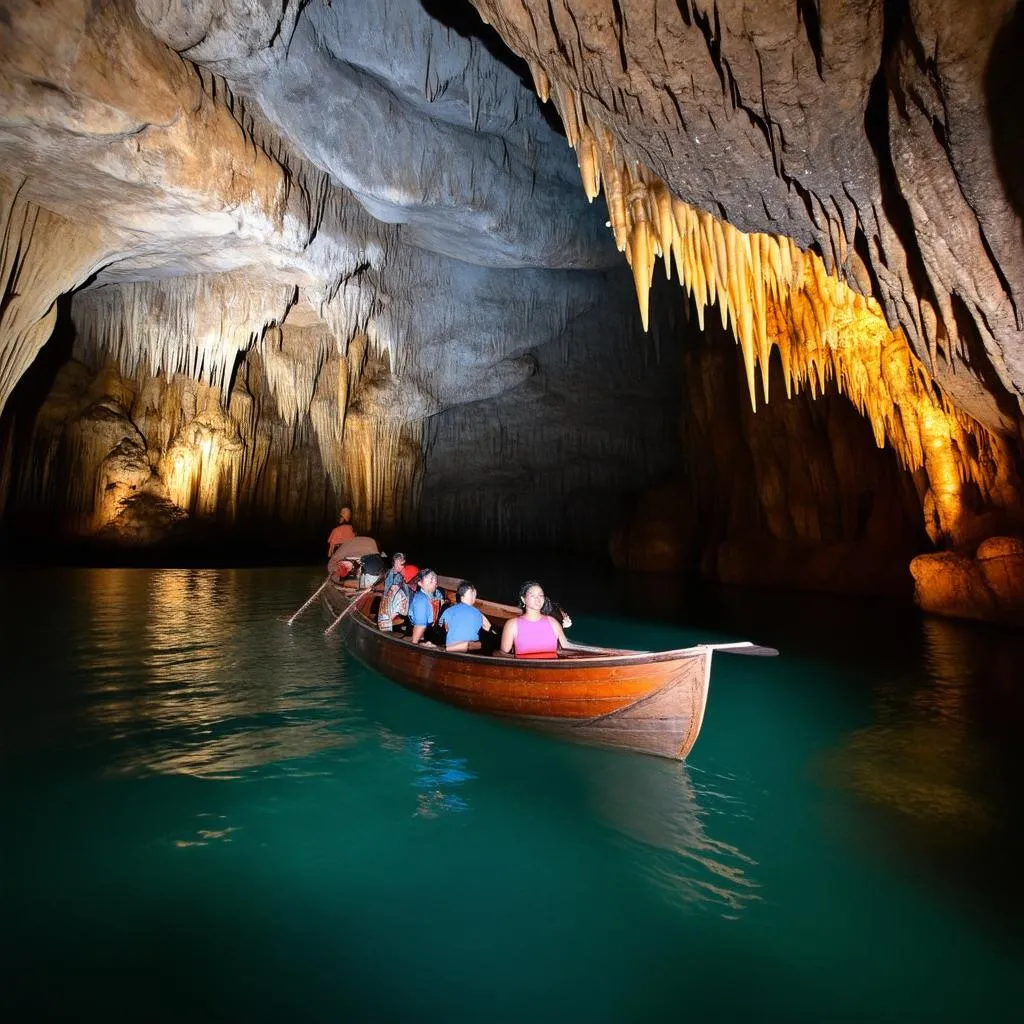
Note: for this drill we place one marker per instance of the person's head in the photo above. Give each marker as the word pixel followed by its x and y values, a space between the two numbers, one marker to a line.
pixel 428 580
pixel 465 593
pixel 345 515
pixel 398 560
pixel 531 595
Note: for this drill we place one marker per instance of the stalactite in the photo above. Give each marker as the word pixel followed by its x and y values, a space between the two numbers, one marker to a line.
pixel 280 448
pixel 776 296
pixel 42 256
pixel 195 325
pixel 293 358
pixel 383 468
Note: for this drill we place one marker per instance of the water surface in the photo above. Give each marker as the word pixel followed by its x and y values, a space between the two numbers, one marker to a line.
pixel 208 815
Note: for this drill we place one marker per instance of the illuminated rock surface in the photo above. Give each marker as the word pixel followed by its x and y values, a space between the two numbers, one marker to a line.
pixel 338 251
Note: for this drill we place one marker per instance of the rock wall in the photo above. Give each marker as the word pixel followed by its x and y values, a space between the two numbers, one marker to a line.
pixel 835 179
pixel 332 251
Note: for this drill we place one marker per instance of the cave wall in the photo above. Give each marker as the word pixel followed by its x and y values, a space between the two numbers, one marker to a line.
pixel 834 178
pixel 873 134
pixel 335 289
pixel 796 495
pixel 559 460
pixel 325 252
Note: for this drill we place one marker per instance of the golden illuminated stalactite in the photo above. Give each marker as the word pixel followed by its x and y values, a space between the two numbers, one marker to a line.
pixel 275 447
pixel 773 295
pixel 383 469
pixel 202 467
pixel 194 326
pixel 381 458
pixel 42 256
pixel 293 358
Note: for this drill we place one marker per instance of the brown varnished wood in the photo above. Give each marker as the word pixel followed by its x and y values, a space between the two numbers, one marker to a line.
pixel 652 703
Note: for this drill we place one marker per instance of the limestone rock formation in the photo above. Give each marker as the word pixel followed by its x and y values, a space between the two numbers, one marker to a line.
pixel 989 586
pixel 334 250
pixel 874 139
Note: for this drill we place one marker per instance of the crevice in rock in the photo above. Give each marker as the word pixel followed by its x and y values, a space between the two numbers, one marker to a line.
pixel 807 13
pixel 876 128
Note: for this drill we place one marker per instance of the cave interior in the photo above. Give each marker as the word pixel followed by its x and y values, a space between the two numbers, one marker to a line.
pixel 732 290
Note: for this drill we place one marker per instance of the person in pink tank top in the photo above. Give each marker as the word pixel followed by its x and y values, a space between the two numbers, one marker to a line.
pixel 533 634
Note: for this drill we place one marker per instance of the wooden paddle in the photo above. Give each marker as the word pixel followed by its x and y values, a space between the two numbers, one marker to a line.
pixel 744 647
pixel 319 591
pixel 330 628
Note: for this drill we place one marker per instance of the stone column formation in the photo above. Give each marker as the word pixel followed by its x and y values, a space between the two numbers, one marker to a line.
pixel 339 251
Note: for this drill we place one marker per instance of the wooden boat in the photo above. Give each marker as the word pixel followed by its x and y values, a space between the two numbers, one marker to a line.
pixel 649 702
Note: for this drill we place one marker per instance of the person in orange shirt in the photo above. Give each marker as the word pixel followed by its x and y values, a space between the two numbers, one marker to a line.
pixel 342 532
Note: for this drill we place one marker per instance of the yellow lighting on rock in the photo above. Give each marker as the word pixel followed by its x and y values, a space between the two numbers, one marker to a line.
pixel 771 294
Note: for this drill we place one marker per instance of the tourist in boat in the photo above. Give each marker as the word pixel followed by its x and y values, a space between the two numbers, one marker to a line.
pixel 394 605
pixel 532 634
pixel 347 560
pixel 462 622
pixel 343 532
pixel 424 607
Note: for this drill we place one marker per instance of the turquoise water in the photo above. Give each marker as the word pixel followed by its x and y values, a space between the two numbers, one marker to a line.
pixel 208 815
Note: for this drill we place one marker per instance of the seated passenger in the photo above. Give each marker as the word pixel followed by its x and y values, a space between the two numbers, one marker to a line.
pixel 394 605
pixel 532 634
pixel 424 606
pixel 462 622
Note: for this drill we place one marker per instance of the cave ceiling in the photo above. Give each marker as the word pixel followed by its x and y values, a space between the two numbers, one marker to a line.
pixel 366 215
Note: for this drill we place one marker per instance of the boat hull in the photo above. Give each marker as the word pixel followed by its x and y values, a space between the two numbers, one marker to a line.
pixel 648 703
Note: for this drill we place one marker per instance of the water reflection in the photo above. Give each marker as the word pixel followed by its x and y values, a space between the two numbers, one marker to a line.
pixel 657 803
pixel 438 778
pixel 193 671
pixel 941 759
pixel 209 834
pixel 929 753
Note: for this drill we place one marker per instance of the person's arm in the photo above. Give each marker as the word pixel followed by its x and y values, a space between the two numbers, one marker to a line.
pixel 508 636
pixel 563 642
pixel 486 621
pixel 418 629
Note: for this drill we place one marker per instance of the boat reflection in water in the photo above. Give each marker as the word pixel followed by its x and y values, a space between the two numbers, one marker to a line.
pixel 647 801
pixel 656 803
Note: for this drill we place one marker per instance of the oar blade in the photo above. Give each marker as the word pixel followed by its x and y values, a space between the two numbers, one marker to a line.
pixel 753 650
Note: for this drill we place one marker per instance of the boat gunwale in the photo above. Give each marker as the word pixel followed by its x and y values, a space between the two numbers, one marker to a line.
pixel 363 621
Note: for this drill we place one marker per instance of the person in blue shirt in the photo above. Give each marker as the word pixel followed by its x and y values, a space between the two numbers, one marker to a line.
pixel 463 622
pixel 424 606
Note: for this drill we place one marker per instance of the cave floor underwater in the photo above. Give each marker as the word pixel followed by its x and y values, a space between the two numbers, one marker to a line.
pixel 208 815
